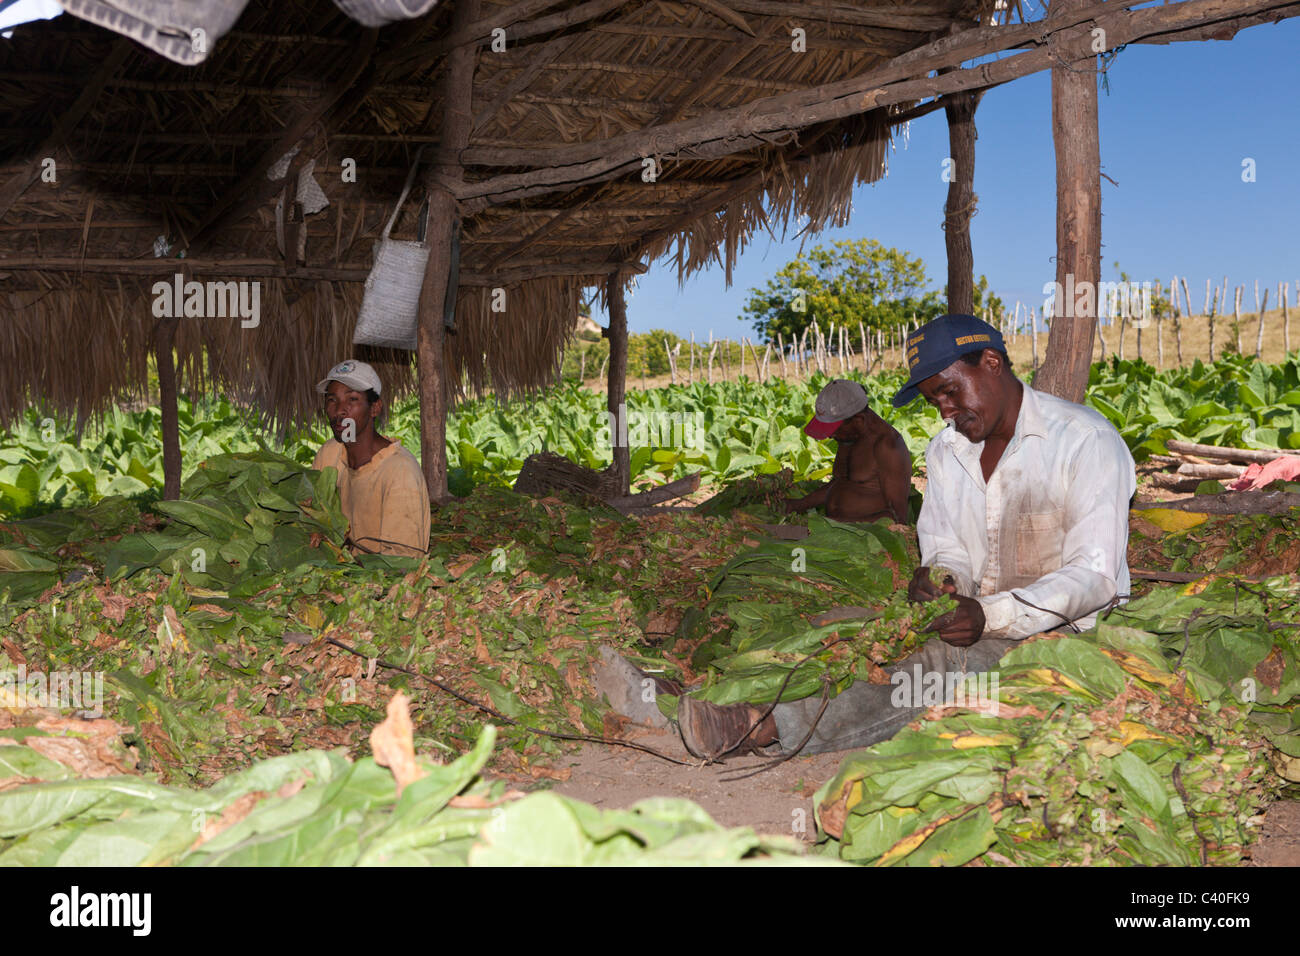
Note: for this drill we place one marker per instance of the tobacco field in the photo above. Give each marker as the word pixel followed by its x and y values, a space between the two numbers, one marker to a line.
pixel 247 658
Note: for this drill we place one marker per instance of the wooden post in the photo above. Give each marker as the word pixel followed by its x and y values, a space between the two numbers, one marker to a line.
pixel 862 333
pixel 1078 216
pixel 616 400
pixel 1259 332
pixel 672 366
pixel 960 206
pixel 1033 331
pixel 1236 315
pixel 691 373
pixel 164 338
pixel 1284 293
pixel 457 88
pixel 780 353
pixel 712 351
pixel 1209 314
pixel 1178 327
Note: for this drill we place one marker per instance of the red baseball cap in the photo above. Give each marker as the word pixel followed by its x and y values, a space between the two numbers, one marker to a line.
pixel 838 401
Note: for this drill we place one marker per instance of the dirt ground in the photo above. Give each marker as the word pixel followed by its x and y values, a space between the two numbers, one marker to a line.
pixel 777 801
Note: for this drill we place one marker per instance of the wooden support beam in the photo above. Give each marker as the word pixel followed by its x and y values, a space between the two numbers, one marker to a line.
pixel 903 19
pixel 19 182
pixel 960 206
pixel 858 45
pixel 509 19
pixel 723 13
pixel 275 269
pixel 164 339
pixel 616 397
pixel 457 97
pixel 1078 216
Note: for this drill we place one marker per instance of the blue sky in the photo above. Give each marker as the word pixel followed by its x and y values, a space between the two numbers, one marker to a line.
pixel 1175 127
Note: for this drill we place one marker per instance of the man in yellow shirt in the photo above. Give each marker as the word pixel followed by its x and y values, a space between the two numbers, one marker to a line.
pixel 381 486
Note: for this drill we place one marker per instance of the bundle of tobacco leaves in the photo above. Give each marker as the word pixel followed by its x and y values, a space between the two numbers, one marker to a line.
pixel 1148 740
pixel 760 622
pixel 768 492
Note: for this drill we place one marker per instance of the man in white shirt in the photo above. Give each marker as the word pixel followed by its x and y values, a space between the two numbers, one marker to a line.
pixel 1026 506
pixel 1027 495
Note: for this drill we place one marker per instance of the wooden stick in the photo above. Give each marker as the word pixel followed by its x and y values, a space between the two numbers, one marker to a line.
pixel 1190 470
pixel 1284 293
pixel 1178 326
pixel 674 489
pixel 1236 315
pixel 1210 309
pixel 1221 453
pixel 862 332
pixel 1174 577
pixel 780 352
pixel 1231 503
pixel 1259 333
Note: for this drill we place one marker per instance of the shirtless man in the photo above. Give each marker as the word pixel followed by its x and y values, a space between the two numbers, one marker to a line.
pixel 871 477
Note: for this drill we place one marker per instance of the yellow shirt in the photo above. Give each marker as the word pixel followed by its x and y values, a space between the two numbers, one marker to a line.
pixel 385 500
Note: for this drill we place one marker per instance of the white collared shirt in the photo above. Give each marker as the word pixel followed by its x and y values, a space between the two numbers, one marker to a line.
pixel 1050 525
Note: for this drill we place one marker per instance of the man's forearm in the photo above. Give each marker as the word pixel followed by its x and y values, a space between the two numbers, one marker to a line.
pixel 813 499
pixel 1067 595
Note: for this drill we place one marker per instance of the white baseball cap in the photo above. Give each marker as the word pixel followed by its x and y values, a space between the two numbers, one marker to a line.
pixel 355 375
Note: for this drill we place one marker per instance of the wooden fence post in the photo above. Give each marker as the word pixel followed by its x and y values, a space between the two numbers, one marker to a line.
pixel 1259 332
pixel 1178 328
pixel 1236 315
pixel 1033 331
pixel 1209 313
pixel 1284 293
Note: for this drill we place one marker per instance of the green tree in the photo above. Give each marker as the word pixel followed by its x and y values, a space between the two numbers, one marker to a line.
pixel 847 283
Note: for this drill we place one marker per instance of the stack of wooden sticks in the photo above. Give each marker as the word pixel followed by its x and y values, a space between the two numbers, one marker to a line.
pixel 1195 463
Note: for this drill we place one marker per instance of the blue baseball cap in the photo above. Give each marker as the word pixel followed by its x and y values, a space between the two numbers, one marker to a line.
pixel 939 343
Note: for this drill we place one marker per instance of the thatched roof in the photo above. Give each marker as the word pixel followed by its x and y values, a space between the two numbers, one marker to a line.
pixel 145 148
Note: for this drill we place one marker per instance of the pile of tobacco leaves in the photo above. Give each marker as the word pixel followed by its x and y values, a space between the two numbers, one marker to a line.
pixel 318 808
pixel 1156 738
pixel 210 617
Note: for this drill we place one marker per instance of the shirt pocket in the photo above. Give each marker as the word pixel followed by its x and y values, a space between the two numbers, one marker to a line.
pixel 1039 539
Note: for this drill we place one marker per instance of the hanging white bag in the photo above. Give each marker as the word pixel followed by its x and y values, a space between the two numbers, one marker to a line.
pixel 389 313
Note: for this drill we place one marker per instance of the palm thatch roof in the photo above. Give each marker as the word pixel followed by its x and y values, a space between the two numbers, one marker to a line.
pixel 153 160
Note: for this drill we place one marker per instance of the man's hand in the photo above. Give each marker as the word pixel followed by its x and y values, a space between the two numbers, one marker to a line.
pixel 921 588
pixel 963 626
